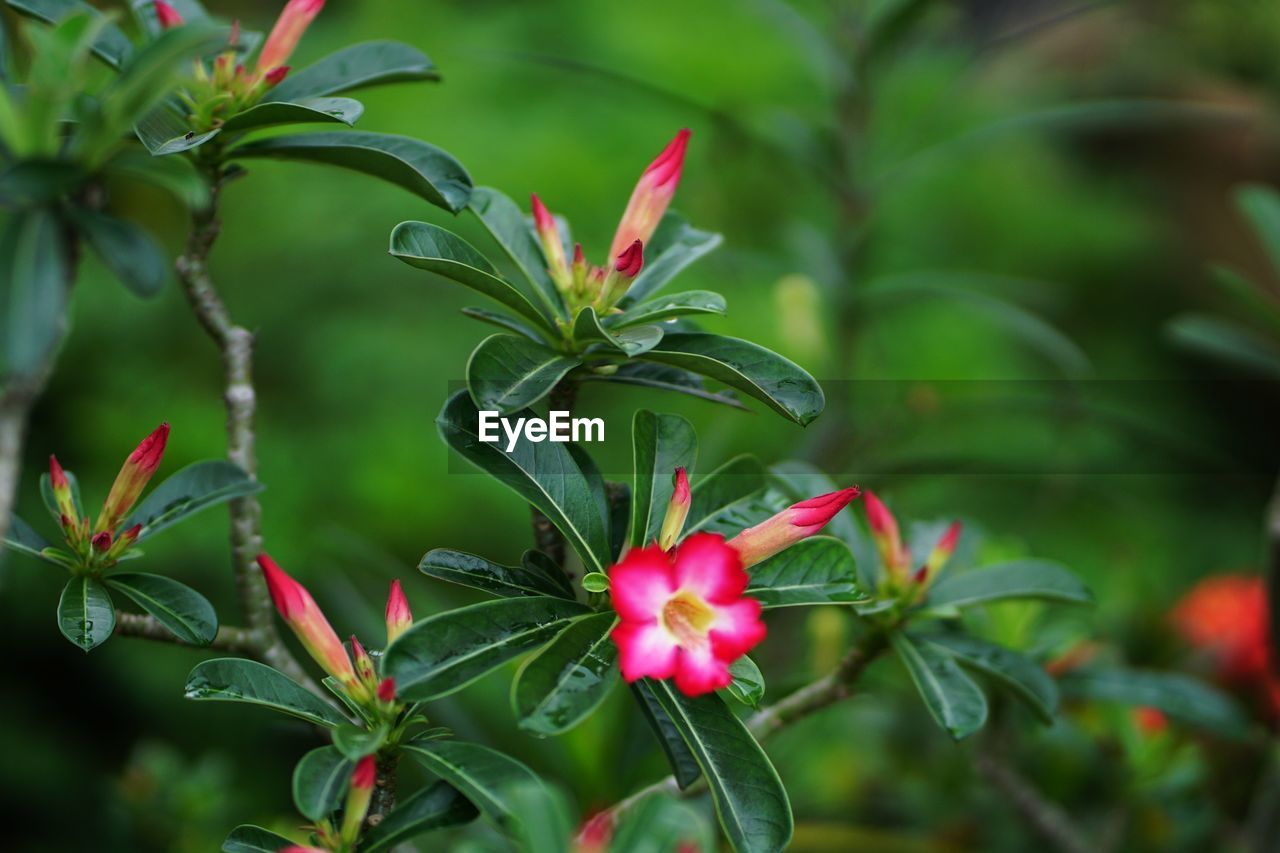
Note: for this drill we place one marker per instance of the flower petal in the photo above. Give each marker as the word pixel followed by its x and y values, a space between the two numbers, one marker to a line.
pixel 737 629
pixel 644 649
pixel 699 671
pixel 641 584
pixel 705 565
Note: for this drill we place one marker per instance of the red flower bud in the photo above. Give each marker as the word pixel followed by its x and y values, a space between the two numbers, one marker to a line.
pixel 275 75
pixel 677 511
pixel 884 530
pixel 552 245
pixel 364 663
pixel 358 796
pixel 946 546
pixel 62 491
pixel 133 478
pixel 167 16
pixel 798 521
pixel 387 690
pixel 102 541
pixel 651 196
pixel 596 833
pixel 300 611
pixel 285 35
pixel 625 269
pixel 631 261
pixel 1150 721
pixel 398 616
pixel 366 773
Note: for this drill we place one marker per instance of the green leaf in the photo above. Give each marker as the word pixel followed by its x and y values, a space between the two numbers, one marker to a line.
pixel 502 321
pixel 31 183
pixel 748 795
pixel 675 245
pixel 956 703
pixel 309 111
pixel 435 807
pixel 371 63
pixel 112 46
pixel 660 444
pixel 595 582
pixel 355 742
pixel 738 480
pixel 480 773
pixel 319 781
pixel 1039 579
pixel 511 229
pixel 247 838
pixel 748 682
pixel 663 378
pixel 542 818
pixel 817 570
pixel 675 305
pixel 196 487
pixel 561 685
pixel 174 175
pixel 186 613
pixel 150 73
pixel 778 383
pixel 23 539
pixel 546 474
pixel 587 329
pixel 1180 696
pixel 164 132
pixel 1228 342
pixel 240 680
pixel 1261 205
pixel 507 373
pixel 683 765
pixel 411 164
pixel 444 653
pixel 86 615
pixel 1022 676
pixel 532 578
pixel 431 248
pixel 130 253
pixel 662 824
pixel 33 290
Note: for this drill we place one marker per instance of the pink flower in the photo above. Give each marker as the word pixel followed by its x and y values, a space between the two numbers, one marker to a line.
pixel 683 613
pixel 677 511
pixel 300 611
pixel 398 617
pixel 285 35
pixel 651 196
pixel 796 522
pixel 133 478
pixel 167 15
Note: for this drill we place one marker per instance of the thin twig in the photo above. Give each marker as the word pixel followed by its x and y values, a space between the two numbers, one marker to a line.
pixel 1046 818
pixel 229 639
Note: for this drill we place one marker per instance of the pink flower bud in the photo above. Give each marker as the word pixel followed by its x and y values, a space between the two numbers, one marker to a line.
pixel 303 616
pixel 358 796
pixel 387 690
pixel 133 478
pixel 884 530
pixel 234 39
pixel 651 196
pixel 625 269
pixel 102 541
pixel 285 35
pixel 398 616
pixel 631 261
pixel 298 848
pixel 552 245
pixel 62 491
pixel 677 511
pixel 366 773
pixel 946 546
pixel 364 663
pixel 275 75
pixel 796 522
pixel 167 16
pixel 595 833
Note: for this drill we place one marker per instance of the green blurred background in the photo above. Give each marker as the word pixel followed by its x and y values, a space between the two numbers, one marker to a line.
pixel 974 236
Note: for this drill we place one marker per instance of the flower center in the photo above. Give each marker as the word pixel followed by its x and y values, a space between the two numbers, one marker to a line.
pixel 687 618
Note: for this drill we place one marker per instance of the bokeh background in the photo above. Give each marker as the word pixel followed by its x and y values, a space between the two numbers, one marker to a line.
pixel 975 231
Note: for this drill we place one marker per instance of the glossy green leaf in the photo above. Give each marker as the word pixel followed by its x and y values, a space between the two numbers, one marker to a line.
pixel 112 46
pixel 163 131
pixel 174 175
pixel 542 822
pixel 953 699
pixel 588 329
pixel 320 780
pixel 675 305
pixel 130 253
pixel 1227 342
pixel 480 773
pixel 86 615
pixel 1180 696
pixel 240 680
pixel 370 63
pixel 749 798
pixel 546 474
pixel 674 245
pixel 740 479
pixel 186 613
pixel 502 321
pixel 309 111
pixel 33 290
pixel 444 653
pixel 1261 204
pixel 662 378
pixel 532 578
pixel 561 685
pixel 247 838
pixel 595 582
pixel 148 76
pixel 23 539
pixel 1038 579
pixel 748 682
pixel 192 489
pixel 506 373
pixel 817 570
pixel 355 742
pixel 431 248
pixel 514 233
pixel 662 824
pixel 660 444
pixel 1022 676
pixel 411 164
pixel 778 383
pixel 435 807
pixel 682 762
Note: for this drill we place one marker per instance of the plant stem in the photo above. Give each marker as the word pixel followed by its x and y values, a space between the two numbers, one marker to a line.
pixel 235 343
pixel 229 638
pixel 1046 818
pixel 384 790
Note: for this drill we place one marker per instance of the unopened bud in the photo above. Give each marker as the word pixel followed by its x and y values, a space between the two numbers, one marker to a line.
pixel 133 478
pixel 167 16
pixel 358 796
pixel 398 617
pixel 552 245
pixel 625 269
pixel 62 495
pixel 387 690
pixel 677 511
pixel 651 196
pixel 102 541
pixel 798 521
